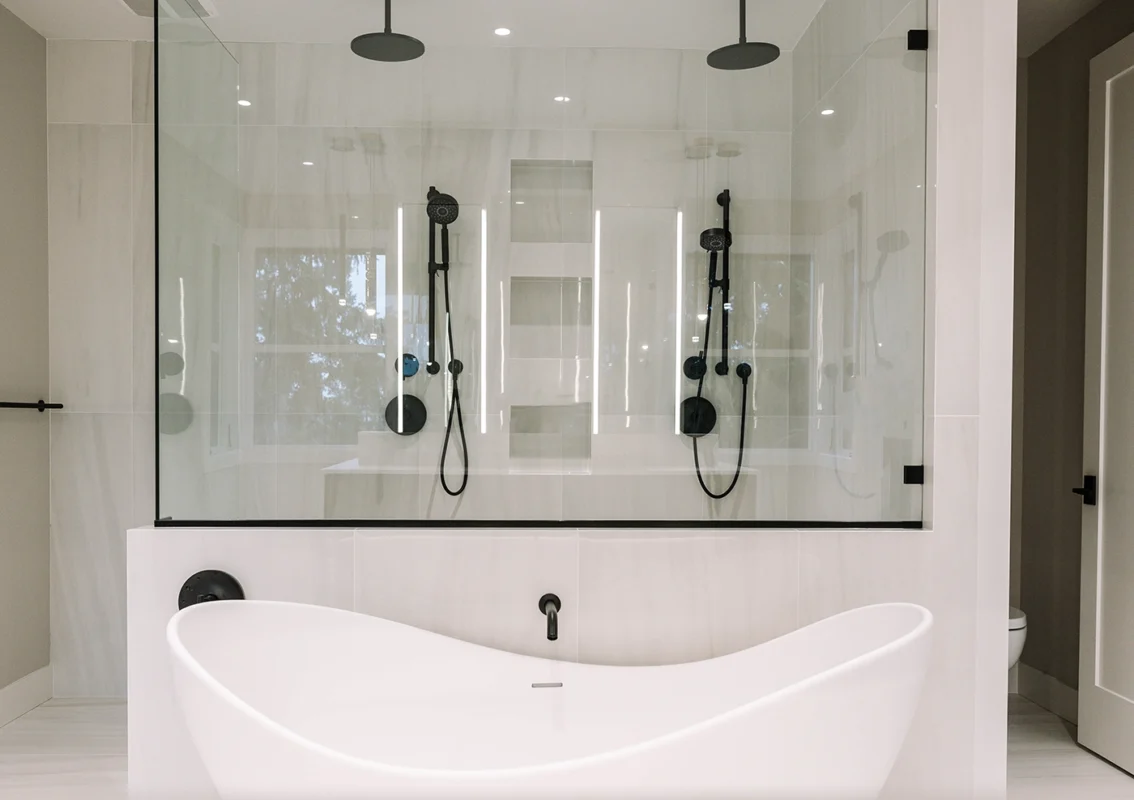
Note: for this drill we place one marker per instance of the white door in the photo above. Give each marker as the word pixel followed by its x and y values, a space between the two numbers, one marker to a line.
pixel 1106 655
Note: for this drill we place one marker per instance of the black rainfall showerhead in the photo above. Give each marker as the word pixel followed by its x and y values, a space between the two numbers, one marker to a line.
pixel 744 54
pixel 443 209
pixel 716 240
pixel 387 45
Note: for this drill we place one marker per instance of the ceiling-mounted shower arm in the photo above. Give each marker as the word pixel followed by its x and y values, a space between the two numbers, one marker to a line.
pixel 724 199
pixel 389 28
pixel 743 20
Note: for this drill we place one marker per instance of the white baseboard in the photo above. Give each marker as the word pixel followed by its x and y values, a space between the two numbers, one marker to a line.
pixel 25 694
pixel 1049 693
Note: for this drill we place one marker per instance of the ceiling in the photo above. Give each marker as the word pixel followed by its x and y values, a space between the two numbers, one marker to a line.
pixel 1043 20
pixel 692 24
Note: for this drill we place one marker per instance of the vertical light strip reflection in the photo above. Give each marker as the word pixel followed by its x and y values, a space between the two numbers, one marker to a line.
pixel 595 319
pixel 401 321
pixel 677 343
pixel 484 320
pixel 184 341
pixel 502 328
pixel 578 338
pixel 626 407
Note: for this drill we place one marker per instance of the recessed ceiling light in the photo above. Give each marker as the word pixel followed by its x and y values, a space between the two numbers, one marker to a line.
pixel 355 216
pixel 826 112
pixel 562 99
pixel 244 103
pixel 645 347
pixel 173 341
pixel 308 163
pixel 503 32
pixel 519 202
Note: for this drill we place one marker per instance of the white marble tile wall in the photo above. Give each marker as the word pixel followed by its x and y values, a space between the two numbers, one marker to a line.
pixel 100 218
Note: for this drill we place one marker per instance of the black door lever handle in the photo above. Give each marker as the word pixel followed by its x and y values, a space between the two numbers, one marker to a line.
pixel 1089 491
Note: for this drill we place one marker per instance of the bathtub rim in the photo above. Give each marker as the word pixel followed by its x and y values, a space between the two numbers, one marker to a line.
pixel 181 654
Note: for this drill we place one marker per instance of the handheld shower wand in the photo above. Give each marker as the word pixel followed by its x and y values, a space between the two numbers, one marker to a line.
pixel 698 415
pixel 443 210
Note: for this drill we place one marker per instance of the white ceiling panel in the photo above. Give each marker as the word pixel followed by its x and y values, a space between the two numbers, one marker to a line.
pixel 694 24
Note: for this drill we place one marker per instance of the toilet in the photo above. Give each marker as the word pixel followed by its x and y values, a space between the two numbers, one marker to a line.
pixel 1017 633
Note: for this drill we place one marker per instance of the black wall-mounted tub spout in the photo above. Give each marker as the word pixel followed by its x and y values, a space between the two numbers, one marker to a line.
pixel 549 605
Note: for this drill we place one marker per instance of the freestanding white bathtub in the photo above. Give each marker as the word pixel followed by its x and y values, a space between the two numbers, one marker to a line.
pixel 294 702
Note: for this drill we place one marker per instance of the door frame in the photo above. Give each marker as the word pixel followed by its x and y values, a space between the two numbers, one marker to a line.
pixel 1098 707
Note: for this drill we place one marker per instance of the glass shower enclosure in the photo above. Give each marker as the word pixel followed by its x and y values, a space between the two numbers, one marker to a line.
pixel 519 259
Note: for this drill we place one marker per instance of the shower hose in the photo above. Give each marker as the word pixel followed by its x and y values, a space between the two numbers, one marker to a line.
pixel 743 408
pixel 455 411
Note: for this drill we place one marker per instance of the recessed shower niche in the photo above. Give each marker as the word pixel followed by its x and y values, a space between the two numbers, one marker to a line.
pixel 552 201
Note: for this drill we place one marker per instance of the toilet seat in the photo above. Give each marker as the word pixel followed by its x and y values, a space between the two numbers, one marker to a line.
pixel 1017 619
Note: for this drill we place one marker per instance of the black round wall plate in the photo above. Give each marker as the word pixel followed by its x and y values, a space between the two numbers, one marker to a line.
pixel 413 415
pixel 209 585
pixel 698 416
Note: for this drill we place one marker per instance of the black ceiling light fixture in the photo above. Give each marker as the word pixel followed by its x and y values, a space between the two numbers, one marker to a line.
pixel 745 54
pixel 387 45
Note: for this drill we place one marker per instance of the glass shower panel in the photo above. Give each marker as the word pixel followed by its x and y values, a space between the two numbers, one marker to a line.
pixel 295 279
pixel 859 219
pixel 200 429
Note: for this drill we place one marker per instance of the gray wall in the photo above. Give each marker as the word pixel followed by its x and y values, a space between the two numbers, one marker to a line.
pixel 1055 245
pixel 24 635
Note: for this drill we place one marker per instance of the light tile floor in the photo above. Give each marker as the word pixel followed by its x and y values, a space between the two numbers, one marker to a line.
pixel 1044 763
pixel 76 750
pixel 65 750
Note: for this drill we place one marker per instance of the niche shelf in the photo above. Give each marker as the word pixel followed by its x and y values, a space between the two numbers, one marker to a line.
pixel 552 201
pixel 552 438
pixel 551 318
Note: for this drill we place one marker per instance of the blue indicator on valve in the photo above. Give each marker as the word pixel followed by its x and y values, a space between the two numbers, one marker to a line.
pixel 408 365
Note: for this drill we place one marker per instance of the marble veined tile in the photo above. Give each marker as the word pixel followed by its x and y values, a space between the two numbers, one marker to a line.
pixel 92 502
pixel 327 84
pixel 89 82
pixel 91 276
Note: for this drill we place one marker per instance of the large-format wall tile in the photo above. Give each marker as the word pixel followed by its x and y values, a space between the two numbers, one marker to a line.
pixel 846 29
pixel 665 599
pixel 143 97
pixel 632 89
pixel 145 265
pixel 751 100
pixel 805 74
pixel 92 497
pixel 91 275
pixel 479 588
pixel 324 84
pixel 89 82
pixel 257 95
pixel 144 432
